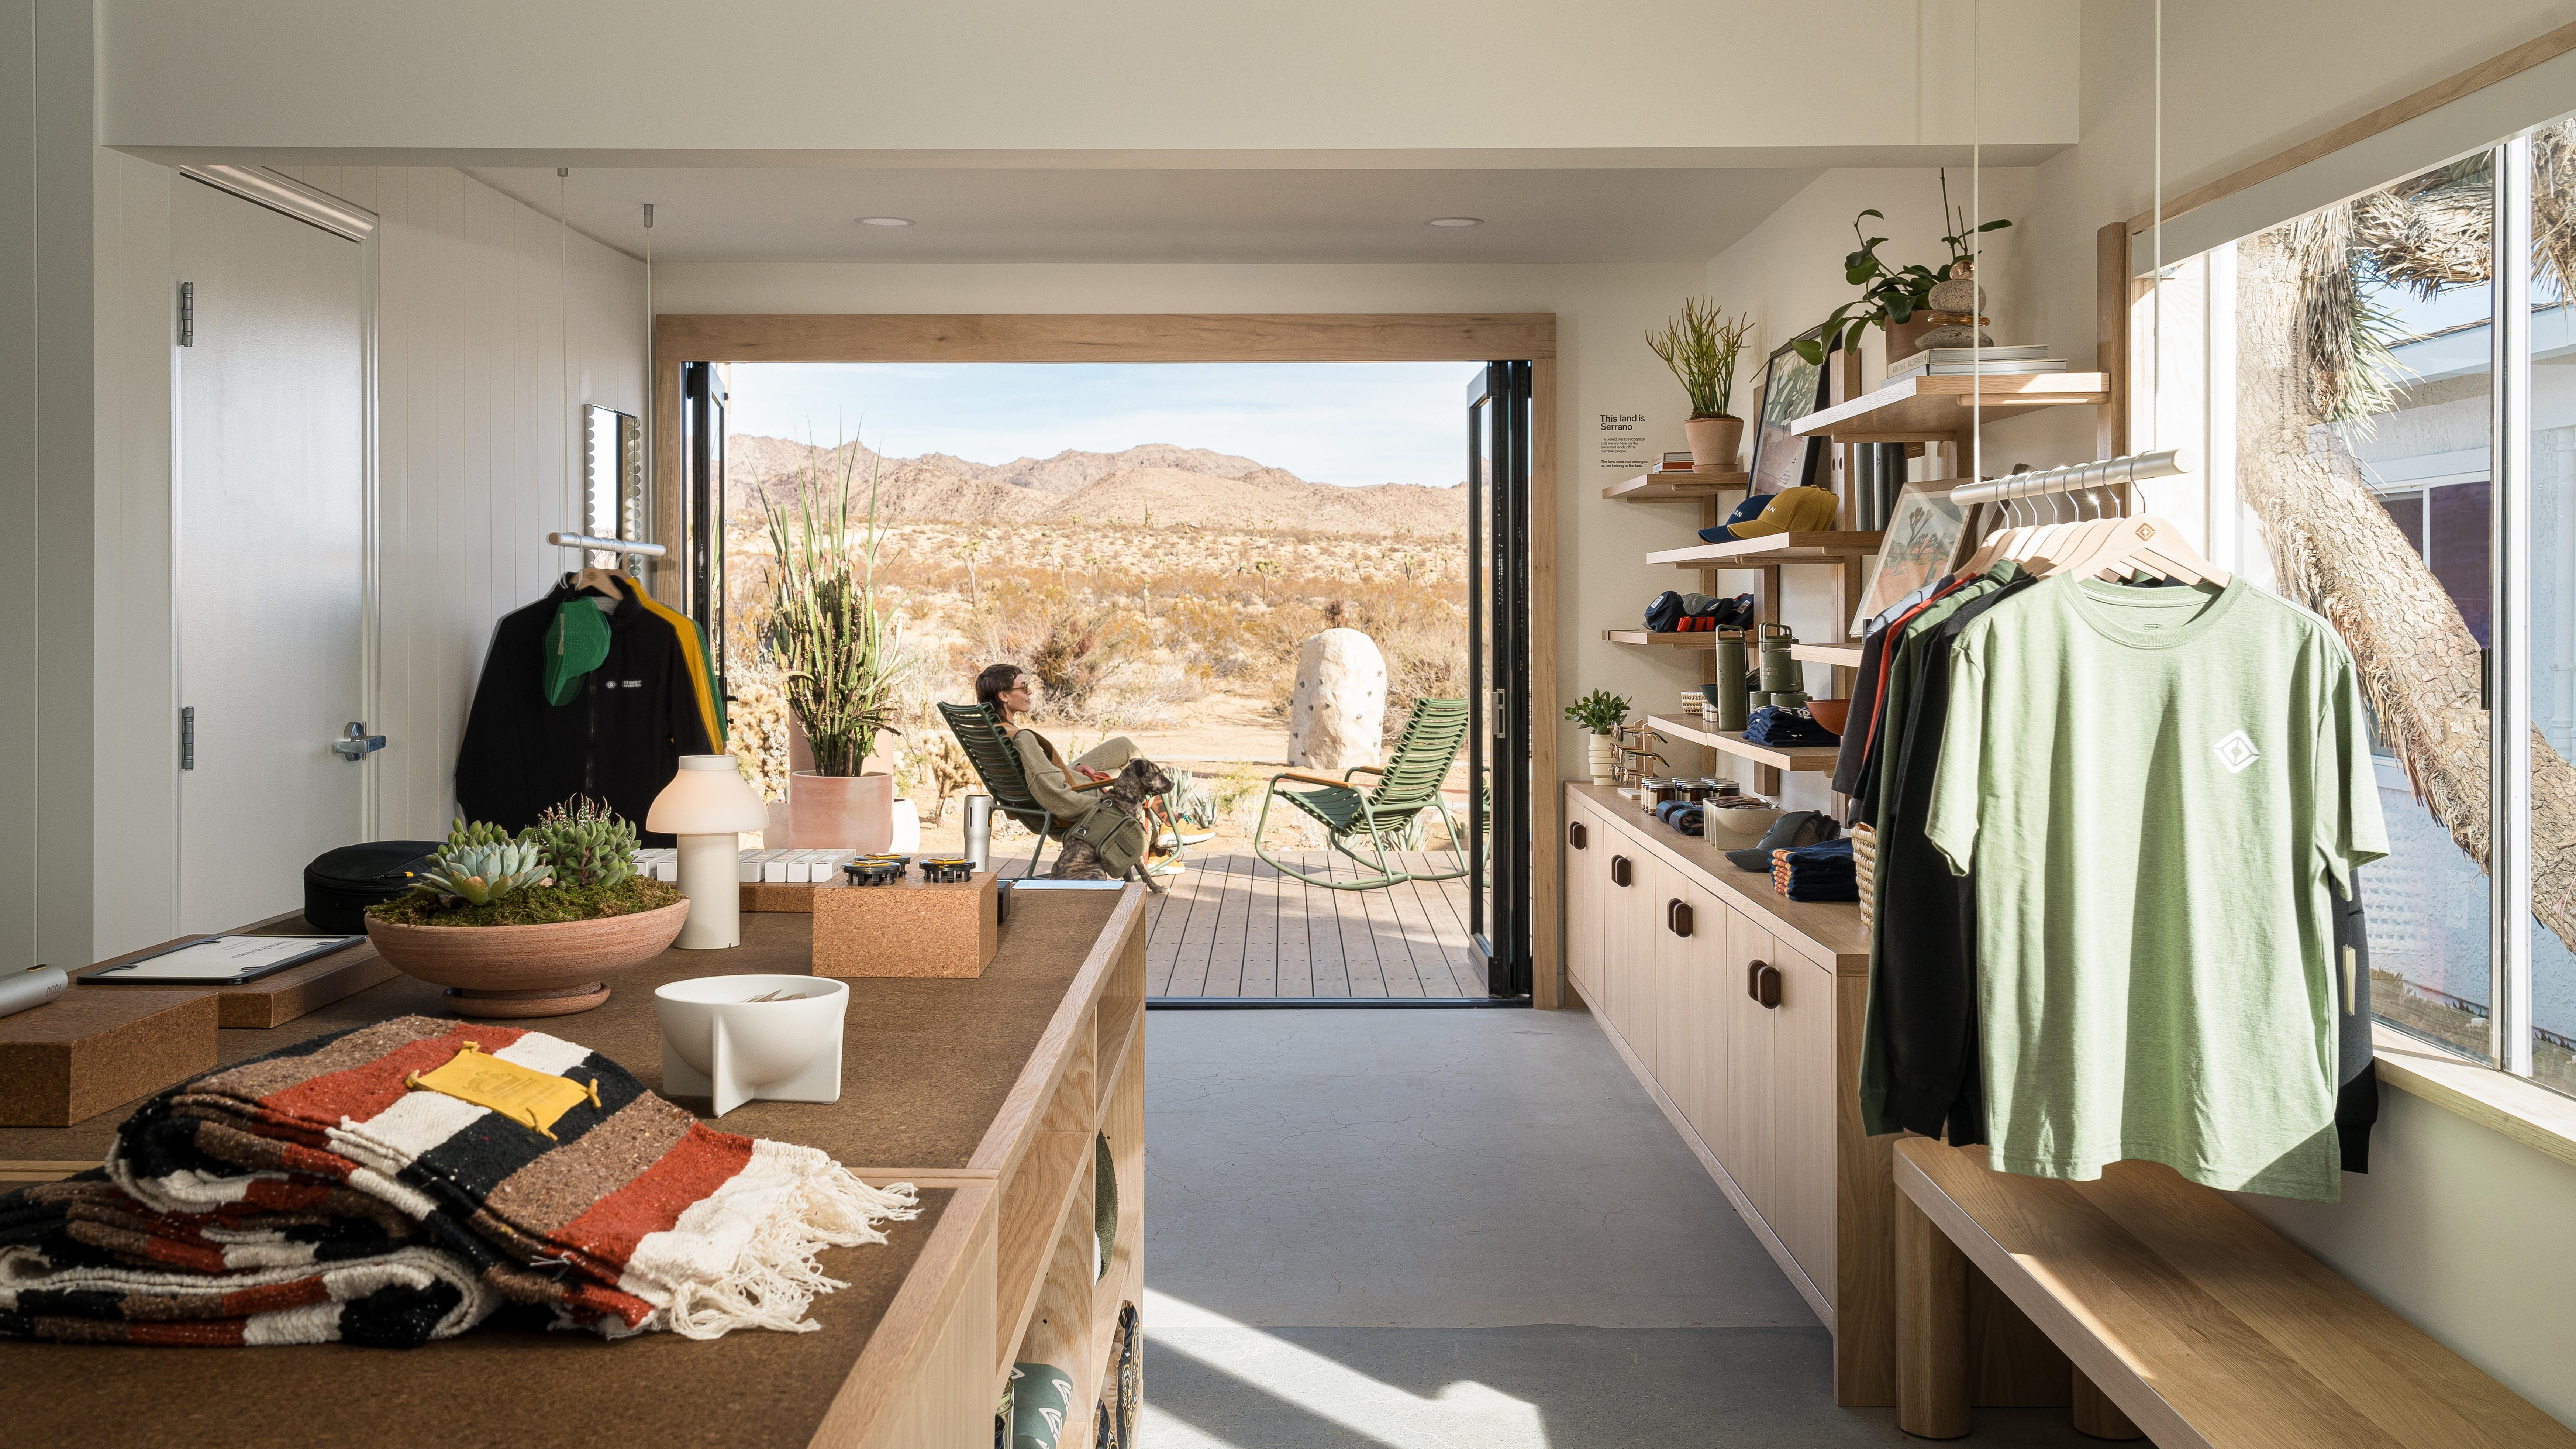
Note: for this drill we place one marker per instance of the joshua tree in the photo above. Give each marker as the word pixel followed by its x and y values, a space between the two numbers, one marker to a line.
pixel 2315 352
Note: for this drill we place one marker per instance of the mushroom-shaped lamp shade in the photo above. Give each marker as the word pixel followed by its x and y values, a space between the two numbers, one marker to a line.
pixel 706 804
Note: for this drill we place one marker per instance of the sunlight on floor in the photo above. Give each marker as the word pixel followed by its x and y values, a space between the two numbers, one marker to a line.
pixel 1308 1386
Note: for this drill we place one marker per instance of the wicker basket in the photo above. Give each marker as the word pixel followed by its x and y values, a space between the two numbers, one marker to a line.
pixel 1864 841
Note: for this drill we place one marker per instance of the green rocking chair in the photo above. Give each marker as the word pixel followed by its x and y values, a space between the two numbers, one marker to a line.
pixel 1406 786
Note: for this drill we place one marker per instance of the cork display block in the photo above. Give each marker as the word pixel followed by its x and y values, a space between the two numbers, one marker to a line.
pixel 915 928
pixel 75 1057
pixel 780 895
pixel 271 1000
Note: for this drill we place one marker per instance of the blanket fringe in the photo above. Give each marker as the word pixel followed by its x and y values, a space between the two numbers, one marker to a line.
pixel 774 1280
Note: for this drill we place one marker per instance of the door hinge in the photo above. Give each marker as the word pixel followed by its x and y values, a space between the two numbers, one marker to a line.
pixel 187 314
pixel 187 737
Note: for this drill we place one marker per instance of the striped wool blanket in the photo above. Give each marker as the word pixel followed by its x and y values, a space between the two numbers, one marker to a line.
pixel 619 1212
pixel 80 1262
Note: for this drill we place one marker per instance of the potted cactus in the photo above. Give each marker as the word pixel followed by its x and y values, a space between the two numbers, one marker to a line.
pixel 530 926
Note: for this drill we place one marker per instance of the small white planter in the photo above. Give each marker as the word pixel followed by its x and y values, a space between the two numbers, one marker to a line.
pixel 717 1042
pixel 1604 759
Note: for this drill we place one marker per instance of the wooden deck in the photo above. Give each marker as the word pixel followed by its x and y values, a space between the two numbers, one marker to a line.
pixel 1233 926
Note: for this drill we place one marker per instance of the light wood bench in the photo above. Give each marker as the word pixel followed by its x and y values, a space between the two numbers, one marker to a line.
pixel 2185 1317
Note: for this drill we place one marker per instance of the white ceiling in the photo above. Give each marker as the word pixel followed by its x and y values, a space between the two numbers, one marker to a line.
pixel 1145 214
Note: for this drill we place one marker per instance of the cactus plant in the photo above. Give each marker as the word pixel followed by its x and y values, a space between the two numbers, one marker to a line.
pixel 482 872
pixel 587 844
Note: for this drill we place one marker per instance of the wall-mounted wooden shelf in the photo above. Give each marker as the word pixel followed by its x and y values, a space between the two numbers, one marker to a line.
pixel 1846 656
pixel 1769 549
pixel 1941 409
pixel 1677 485
pixel 1778 757
pixel 1700 638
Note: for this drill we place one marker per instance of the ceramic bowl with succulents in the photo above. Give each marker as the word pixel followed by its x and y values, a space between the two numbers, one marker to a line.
pixel 533 925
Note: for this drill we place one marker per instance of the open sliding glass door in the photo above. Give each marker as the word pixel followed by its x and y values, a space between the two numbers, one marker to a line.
pixel 702 504
pixel 1498 747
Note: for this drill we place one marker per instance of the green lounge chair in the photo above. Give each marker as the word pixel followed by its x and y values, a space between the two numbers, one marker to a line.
pixel 1406 786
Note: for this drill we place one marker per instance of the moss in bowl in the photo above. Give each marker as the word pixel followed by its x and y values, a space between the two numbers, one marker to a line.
pixel 531 926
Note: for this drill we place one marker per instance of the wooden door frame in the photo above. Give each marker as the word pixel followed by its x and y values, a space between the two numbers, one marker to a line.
pixel 1184 337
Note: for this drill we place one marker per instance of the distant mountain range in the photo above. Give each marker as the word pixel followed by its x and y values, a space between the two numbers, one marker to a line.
pixel 1152 483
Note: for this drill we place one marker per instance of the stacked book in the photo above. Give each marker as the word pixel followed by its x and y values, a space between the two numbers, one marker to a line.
pixel 1978 362
pixel 1674 463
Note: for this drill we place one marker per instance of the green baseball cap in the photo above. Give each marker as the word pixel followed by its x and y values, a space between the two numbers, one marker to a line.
pixel 576 643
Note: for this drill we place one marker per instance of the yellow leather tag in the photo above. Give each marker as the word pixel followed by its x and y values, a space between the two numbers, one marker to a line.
pixel 522 1094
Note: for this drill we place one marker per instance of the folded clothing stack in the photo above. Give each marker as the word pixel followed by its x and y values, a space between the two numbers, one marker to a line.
pixel 1787 726
pixel 1682 815
pixel 399 1182
pixel 1816 872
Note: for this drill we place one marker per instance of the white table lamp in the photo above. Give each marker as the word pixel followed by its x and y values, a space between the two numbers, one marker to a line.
pixel 708 805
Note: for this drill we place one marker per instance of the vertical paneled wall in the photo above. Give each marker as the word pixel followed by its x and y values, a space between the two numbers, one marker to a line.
pixel 478 440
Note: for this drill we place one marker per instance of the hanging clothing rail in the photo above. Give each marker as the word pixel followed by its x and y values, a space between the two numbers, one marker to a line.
pixel 2077 477
pixel 606 545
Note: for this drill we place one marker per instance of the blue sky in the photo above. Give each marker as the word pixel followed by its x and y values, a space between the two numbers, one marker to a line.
pixel 1327 422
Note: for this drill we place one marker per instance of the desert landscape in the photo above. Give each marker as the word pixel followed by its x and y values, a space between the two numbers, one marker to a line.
pixel 1160 592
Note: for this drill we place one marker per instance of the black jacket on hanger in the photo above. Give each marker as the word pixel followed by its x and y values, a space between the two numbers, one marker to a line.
pixel 619 740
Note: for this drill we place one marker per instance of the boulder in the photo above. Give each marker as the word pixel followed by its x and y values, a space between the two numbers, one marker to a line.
pixel 1338 714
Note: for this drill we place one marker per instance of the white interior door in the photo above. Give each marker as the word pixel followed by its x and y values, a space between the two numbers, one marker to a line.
pixel 271 554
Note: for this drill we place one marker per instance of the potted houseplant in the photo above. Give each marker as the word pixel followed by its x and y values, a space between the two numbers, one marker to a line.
pixel 531 926
pixel 1601 713
pixel 1700 346
pixel 839 659
pixel 1900 301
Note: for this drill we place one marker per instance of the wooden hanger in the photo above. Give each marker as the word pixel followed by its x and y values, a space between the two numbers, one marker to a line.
pixel 601 579
pixel 2149 542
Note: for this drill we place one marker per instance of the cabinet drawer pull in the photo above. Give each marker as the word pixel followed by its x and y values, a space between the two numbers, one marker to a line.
pixel 1576 835
pixel 1764 985
pixel 1619 870
pixel 1677 916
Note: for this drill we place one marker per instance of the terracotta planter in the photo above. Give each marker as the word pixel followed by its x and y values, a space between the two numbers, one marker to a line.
pixel 1715 444
pixel 545 970
pixel 1904 339
pixel 827 812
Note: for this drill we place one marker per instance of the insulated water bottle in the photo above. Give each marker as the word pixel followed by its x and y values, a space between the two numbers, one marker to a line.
pixel 1728 694
pixel 979 831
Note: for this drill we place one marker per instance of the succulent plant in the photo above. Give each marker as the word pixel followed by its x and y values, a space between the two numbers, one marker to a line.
pixel 587 843
pixel 481 832
pixel 482 872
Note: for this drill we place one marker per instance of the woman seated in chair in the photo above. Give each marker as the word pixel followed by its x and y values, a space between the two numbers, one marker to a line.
pixel 1012 695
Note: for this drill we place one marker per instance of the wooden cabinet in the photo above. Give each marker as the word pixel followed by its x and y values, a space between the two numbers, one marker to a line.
pixel 1586 870
pixel 1740 1010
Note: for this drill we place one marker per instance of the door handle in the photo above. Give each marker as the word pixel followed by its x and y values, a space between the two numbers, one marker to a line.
pixel 1619 870
pixel 1677 916
pixel 1762 983
pixel 357 744
pixel 1576 835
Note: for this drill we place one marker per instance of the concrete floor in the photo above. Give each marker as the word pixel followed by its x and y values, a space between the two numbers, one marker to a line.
pixel 1390 1229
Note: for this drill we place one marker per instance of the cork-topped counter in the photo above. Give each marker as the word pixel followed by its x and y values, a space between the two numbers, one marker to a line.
pixel 984 1092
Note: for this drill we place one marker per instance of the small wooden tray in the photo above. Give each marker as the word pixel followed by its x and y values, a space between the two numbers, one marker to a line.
pixel 272 1000
pixel 87 1051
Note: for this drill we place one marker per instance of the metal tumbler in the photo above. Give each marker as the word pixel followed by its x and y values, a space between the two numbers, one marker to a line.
pixel 979 831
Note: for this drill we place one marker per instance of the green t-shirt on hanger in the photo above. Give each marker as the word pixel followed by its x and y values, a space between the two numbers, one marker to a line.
pixel 2154 786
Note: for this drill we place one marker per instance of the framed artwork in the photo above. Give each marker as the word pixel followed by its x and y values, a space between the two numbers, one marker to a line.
pixel 1792 387
pixel 1923 537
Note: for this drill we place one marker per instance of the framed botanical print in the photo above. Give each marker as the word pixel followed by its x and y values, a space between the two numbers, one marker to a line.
pixel 1923 536
pixel 1792 387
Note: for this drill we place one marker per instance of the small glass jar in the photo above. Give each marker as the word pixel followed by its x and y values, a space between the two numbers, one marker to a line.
pixel 1715 787
pixel 1659 789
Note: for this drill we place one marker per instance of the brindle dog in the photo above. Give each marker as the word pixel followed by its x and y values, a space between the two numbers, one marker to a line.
pixel 1130 795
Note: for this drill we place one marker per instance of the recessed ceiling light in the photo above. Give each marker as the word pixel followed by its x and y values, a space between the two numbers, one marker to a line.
pixel 1455 221
pixel 885 221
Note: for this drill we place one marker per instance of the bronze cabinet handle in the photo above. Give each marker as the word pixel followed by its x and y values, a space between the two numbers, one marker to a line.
pixel 1677 916
pixel 1576 835
pixel 1766 985
pixel 1619 870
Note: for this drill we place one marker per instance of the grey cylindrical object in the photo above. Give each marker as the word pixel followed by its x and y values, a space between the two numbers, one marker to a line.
pixel 979 831
pixel 1779 671
pixel 31 988
pixel 1734 710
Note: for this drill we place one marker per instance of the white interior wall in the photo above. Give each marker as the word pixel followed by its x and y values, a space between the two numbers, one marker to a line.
pixel 2458 1228
pixel 478 441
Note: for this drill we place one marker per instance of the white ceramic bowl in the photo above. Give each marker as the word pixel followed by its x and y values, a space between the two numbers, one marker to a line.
pixel 1747 820
pixel 717 1042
